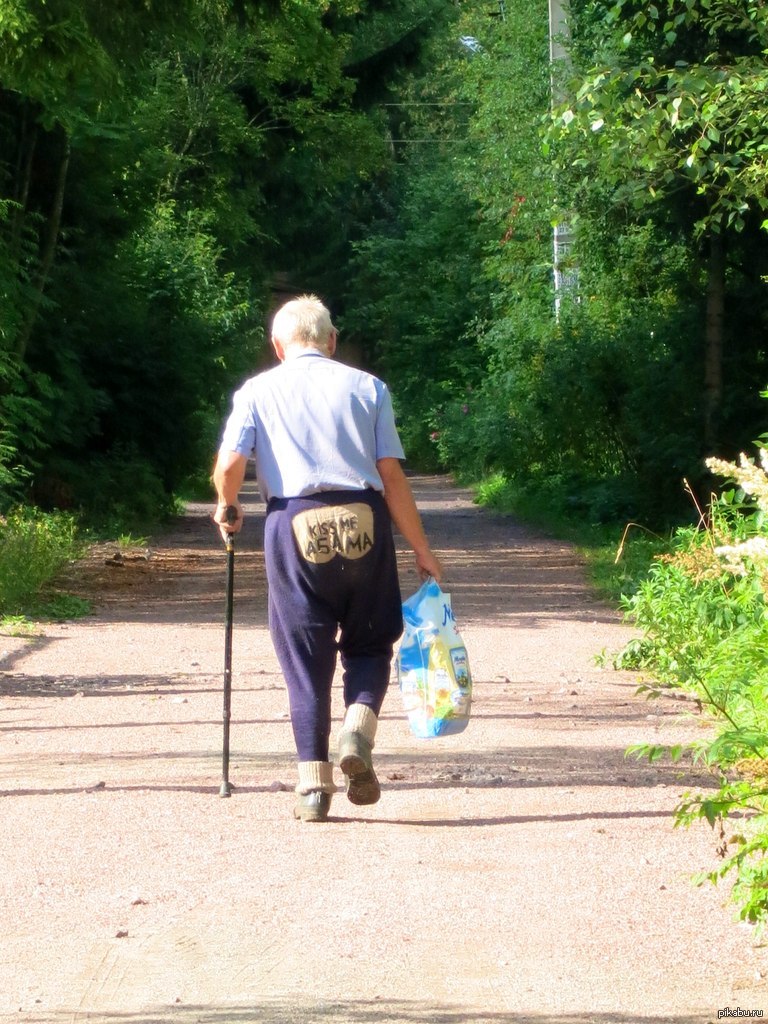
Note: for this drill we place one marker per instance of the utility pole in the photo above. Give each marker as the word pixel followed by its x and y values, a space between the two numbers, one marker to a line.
pixel 558 30
pixel 566 276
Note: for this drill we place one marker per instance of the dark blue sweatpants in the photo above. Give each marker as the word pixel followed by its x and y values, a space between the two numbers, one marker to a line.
pixel 333 586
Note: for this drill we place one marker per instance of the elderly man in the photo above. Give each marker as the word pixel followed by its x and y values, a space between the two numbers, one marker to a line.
pixel 327 459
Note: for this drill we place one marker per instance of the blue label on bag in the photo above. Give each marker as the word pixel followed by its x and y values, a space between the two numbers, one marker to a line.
pixel 460 666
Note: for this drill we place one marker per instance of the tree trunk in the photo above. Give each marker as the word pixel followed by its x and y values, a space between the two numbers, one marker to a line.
pixel 47 254
pixel 713 353
pixel 23 177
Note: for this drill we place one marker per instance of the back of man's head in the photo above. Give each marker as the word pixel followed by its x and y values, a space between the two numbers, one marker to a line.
pixel 304 322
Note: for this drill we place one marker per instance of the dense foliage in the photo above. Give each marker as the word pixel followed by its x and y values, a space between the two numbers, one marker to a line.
pixel 34 547
pixel 658 350
pixel 162 164
pixel 170 170
pixel 703 612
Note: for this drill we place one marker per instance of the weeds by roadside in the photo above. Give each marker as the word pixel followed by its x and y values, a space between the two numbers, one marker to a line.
pixel 703 611
pixel 700 600
pixel 34 547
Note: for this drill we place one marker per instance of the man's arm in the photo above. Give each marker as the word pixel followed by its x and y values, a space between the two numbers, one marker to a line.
pixel 228 476
pixel 402 507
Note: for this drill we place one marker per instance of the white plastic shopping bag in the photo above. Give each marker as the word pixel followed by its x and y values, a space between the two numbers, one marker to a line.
pixel 432 665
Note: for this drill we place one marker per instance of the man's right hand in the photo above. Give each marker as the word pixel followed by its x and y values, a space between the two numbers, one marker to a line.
pixel 229 517
pixel 228 476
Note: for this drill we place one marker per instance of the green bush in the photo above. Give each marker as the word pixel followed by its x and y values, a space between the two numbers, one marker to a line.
pixel 116 492
pixel 703 611
pixel 34 546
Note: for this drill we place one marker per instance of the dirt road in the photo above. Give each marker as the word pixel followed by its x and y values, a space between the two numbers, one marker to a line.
pixel 521 873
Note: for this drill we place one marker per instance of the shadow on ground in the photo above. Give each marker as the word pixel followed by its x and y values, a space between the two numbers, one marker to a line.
pixel 181 576
pixel 357 1012
pixel 510 769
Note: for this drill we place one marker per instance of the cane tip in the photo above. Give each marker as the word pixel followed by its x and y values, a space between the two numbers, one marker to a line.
pixel 226 789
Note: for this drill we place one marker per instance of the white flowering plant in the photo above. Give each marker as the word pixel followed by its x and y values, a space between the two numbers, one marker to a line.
pixel 704 615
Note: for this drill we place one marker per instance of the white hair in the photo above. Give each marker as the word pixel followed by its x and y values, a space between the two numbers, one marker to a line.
pixel 304 322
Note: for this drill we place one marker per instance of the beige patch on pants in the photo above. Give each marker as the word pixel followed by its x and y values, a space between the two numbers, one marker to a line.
pixel 330 530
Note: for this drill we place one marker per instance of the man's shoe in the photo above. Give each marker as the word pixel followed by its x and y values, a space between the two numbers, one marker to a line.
pixel 312 806
pixel 355 761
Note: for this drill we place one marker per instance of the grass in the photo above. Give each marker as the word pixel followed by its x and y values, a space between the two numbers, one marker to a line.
pixel 129 542
pixel 197 487
pixel 34 547
pixel 17 625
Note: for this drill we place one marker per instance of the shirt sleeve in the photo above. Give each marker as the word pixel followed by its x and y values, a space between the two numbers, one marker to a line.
pixel 240 429
pixel 388 444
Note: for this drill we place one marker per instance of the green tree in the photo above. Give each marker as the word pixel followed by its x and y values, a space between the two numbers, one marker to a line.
pixel 416 284
pixel 160 162
pixel 671 111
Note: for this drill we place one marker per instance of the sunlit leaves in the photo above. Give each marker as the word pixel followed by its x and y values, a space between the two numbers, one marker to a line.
pixel 705 633
pixel 675 120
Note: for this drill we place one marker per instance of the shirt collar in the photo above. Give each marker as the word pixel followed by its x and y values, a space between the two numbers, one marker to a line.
pixel 309 353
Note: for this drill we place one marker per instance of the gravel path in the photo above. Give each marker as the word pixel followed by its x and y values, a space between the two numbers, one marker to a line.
pixel 523 872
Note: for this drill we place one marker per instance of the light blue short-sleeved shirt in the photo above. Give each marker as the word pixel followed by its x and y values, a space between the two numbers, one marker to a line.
pixel 313 424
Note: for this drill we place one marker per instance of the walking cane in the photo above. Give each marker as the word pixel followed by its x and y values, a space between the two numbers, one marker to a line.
pixel 226 788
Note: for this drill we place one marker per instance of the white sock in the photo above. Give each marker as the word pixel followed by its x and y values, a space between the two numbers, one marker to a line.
pixel 360 718
pixel 315 775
